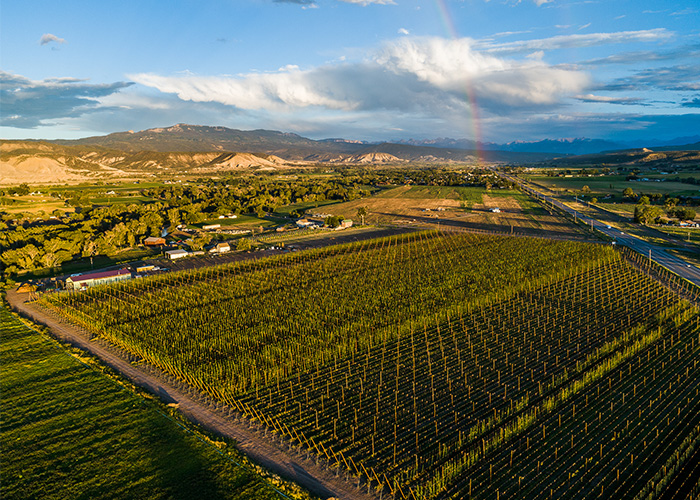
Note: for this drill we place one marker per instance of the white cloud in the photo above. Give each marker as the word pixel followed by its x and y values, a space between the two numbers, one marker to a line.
pixel 48 38
pixel 430 76
pixel 539 3
pixel 570 41
pixel 403 31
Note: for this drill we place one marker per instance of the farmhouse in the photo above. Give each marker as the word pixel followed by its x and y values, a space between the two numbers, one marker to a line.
pixel 304 223
pixel 99 278
pixel 344 224
pixel 152 241
pixel 176 254
pixel 221 247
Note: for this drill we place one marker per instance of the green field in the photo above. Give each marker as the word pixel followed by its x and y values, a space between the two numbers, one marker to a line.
pixel 70 431
pixel 436 365
pixel 613 184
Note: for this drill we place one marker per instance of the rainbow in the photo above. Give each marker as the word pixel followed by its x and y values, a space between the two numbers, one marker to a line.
pixel 472 124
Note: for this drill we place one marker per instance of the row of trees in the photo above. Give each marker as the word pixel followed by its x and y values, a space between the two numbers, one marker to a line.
pixel 27 244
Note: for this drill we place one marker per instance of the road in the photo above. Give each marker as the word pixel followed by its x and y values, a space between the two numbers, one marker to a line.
pixel 656 253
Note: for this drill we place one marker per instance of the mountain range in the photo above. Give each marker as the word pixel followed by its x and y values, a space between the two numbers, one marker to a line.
pixel 578 146
pixel 292 147
pixel 191 149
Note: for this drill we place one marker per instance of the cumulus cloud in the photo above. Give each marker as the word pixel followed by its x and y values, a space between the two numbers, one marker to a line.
pixel 48 38
pixel 576 40
pixel 403 31
pixel 429 75
pixel 27 103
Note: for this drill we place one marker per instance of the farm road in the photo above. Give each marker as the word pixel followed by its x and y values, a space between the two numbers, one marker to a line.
pixel 286 463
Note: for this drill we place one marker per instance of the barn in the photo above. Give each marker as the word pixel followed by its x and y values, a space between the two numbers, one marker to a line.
pixel 80 281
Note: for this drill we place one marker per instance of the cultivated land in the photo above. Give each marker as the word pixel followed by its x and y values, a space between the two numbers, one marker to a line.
pixel 437 365
pixel 71 431
pixel 461 207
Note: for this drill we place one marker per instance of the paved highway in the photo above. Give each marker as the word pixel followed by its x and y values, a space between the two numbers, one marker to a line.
pixel 656 253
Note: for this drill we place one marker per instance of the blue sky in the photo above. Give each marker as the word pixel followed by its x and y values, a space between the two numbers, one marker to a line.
pixel 497 70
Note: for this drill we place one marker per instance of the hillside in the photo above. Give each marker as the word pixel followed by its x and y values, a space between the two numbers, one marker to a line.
pixel 43 162
pixel 644 156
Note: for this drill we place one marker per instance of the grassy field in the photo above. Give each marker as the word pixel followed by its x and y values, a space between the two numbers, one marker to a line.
pixel 70 431
pixel 436 365
pixel 308 206
pixel 612 184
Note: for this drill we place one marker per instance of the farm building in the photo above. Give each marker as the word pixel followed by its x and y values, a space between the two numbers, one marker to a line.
pixel 176 254
pixel 93 279
pixel 210 227
pixel 145 268
pixel 345 223
pixel 304 223
pixel 221 247
pixel 153 241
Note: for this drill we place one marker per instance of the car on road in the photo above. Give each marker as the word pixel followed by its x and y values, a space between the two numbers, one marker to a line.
pixel 608 227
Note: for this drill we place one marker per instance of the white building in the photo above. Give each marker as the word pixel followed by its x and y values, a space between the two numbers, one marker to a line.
pixel 176 254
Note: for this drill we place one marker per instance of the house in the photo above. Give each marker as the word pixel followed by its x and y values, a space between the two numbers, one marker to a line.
pixel 80 281
pixel 221 247
pixel 145 268
pixel 153 241
pixel 210 227
pixel 176 254
pixel 345 223
pixel 304 223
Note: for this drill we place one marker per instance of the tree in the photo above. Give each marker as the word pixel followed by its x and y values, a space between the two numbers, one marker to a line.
pixel 332 221
pixel 200 241
pixel 244 245
pixel 628 193
pixel 585 189
pixel 644 214
pixel 644 200
pixel 684 213
pixel 671 203
pixel 362 212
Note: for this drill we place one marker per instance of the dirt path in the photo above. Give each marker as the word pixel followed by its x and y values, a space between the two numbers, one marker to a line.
pixel 262 447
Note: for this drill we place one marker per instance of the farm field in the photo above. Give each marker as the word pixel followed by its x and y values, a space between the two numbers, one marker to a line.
pixel 69 431
pixel 465 378
pixel 460 207
pixel 612 184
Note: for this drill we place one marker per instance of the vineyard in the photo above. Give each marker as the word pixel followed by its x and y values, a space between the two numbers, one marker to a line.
pixel 437 365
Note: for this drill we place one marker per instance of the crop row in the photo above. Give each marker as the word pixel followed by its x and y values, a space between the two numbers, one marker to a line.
pixel 414 361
